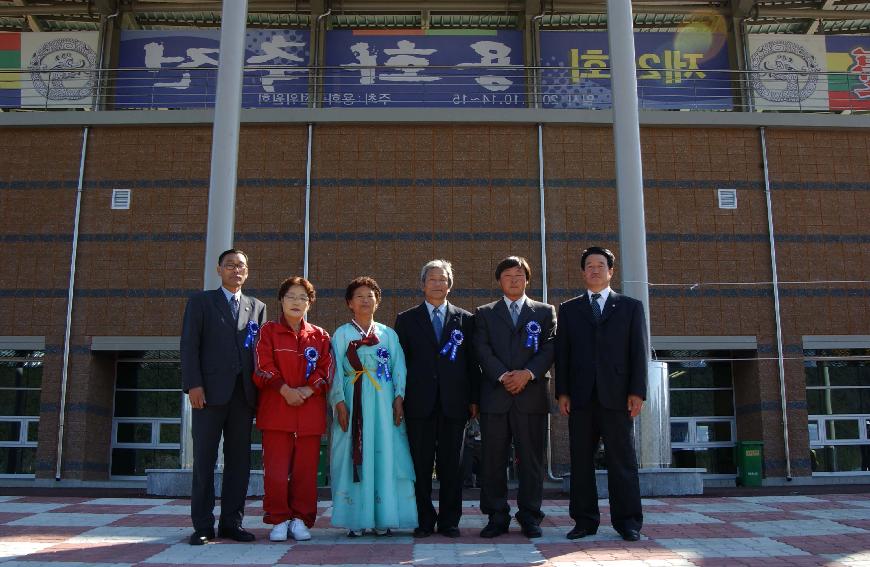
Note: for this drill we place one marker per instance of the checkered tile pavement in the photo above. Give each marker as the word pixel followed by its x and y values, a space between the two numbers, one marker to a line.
pixel 829 530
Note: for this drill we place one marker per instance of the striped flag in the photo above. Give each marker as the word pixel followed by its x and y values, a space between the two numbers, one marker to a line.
pixel 10 63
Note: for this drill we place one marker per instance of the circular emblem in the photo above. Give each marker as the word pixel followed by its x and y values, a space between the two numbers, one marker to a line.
pixel 784 71
pixel 64 69
pixel 533 328
pixel 456 336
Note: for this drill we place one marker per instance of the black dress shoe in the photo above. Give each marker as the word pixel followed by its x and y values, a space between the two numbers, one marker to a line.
pixel 422 532
pixel 452 531
pixel 493 530
pixel 531 530
pixel 201 537
pixel 236 533
pixel 578 531
pixel 630 535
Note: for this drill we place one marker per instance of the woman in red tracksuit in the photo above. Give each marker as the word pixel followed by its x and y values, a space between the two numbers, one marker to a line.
pixel 292 370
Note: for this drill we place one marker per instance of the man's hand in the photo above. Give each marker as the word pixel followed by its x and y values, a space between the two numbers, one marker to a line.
pixel 565 404
pixel 342 415
pixel 197 397
pixel 473 411
pixel 291 395
pixel 515 381
pixel 398 410
pixel 635 404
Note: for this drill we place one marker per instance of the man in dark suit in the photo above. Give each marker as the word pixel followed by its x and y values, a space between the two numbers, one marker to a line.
pixel 216 366
pixel 601 374
pixel 441 395
pixel 513 338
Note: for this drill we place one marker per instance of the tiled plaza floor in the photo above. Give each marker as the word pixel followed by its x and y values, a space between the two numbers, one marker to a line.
pixel 829 529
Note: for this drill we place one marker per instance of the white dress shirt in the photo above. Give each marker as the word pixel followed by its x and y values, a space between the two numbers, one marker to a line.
pixel 605 293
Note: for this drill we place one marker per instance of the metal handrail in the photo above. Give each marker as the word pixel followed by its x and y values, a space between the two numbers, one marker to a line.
pixel 529 86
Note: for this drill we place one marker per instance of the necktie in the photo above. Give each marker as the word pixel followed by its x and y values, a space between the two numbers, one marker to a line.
pixel 515 313
pixel 234 306
pixel 437 324
pixel 596 309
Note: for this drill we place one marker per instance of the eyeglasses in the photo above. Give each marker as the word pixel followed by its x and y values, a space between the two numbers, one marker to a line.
pixel 302 298
pixel 234 267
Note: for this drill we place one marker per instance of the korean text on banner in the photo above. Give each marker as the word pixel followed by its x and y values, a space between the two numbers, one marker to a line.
pixel 682 70
pixel 416 68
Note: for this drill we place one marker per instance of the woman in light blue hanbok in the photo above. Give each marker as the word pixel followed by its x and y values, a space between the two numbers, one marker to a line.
pixel 371 472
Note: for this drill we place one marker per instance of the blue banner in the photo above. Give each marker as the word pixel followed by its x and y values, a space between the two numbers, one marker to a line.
pixel 178 69
pixel 413 68
pixel 682 70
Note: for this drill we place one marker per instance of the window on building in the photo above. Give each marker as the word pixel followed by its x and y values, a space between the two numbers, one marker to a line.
pixel 703 426
pixel 20 388
pixel 146 424
pixel 838 408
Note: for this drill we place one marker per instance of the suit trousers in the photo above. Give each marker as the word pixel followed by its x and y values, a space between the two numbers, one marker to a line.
pixel 437 441
pixel 233 420
pixel 528 431
pixel 585 427
pixel 290 476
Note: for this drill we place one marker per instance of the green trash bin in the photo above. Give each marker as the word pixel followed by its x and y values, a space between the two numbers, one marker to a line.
pixel 323 463
pixel 749 461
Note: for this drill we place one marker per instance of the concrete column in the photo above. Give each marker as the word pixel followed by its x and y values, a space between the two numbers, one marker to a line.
pixel 652 439
pixel 626 139
pixel 224 164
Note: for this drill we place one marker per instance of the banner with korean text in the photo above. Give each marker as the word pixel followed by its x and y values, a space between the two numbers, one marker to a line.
pixel 48 69
pixel 849 68
pixel 431 68
pixel 178 68
pixel 682 70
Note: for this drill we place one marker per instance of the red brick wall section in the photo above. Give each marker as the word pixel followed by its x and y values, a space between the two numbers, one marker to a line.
pixel 387 198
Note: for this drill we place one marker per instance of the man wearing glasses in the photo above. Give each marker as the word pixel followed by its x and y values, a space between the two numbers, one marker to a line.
pixel 217 340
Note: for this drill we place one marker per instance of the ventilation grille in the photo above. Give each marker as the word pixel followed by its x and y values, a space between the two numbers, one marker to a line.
pixel 121 199
pixel 727 198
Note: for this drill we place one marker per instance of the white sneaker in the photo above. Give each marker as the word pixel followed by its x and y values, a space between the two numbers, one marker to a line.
pixel 279 532
pixel 299 531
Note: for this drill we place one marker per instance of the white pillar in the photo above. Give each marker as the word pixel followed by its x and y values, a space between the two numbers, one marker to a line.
pixel 626 138
pixel 652 438
pixel 224 163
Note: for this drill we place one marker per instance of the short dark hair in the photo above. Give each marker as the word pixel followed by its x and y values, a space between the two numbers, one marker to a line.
pixel 611 257
pixel 513 262
pixel 362 281
pixel 300 281
pixel 231 251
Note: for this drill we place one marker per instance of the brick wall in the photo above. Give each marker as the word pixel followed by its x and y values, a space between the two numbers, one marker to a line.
pixel 387 198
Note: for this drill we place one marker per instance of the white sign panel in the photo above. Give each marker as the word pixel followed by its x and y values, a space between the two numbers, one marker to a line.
pixel 788 72
pixel 61 69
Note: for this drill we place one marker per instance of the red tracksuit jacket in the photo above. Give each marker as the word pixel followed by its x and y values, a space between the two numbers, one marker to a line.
pixel 279 358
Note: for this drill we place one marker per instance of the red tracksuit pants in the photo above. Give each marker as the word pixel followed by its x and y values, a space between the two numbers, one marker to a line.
pixel 290 476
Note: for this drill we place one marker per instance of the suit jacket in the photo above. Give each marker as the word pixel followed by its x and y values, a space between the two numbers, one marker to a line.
pixel 212 345
pixel 501 347
pixel 610 354
pixel 432 377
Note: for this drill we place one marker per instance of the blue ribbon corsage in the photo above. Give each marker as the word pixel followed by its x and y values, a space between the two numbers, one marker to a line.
pixel 456 338
pixel 533 331
pixel 253 330
pixel 311 356
pixel 383 370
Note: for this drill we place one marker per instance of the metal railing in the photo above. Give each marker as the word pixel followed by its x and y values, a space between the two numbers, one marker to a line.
pixel 431 86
